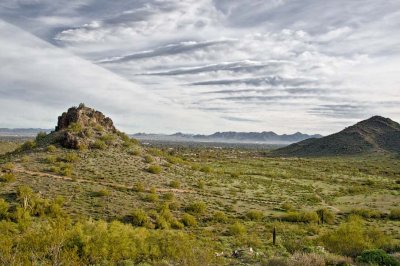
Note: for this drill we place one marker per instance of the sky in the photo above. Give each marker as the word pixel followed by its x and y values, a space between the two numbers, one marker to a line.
pixel 200 66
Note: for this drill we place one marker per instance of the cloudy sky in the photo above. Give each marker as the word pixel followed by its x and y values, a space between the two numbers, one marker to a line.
pixel 200 66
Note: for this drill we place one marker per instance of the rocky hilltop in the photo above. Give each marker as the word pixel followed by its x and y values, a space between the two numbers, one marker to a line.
pixel 376 134
pixel 83 127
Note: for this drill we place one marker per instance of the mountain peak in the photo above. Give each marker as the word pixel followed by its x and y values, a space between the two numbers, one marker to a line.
pixel 377 134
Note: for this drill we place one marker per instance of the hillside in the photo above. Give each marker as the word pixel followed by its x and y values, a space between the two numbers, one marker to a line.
pixel 85 194
pixel 376 134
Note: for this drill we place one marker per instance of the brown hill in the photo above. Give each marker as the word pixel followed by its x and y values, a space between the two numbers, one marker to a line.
pixel 83 127
pixel 376 134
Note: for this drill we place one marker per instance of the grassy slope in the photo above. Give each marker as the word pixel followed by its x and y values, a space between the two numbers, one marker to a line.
pixel 239 181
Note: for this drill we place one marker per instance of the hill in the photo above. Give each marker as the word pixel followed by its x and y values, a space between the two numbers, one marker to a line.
pixel 376 134
pixel 267 137
pixel 84 128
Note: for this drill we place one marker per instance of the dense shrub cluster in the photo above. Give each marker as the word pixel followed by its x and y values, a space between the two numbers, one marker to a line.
pixel 301 217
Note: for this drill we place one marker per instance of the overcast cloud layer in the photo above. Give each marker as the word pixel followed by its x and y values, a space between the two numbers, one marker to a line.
pixel 201 65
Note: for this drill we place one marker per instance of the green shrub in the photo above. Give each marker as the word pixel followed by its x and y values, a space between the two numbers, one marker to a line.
pixel 326 216
pixel 255 215
pixel 148 159
pixel 41 136
pixel 377 257
pixel 99 144
pixel 352 237
pixel 175 184
pixel 75 127
pixel 134 152
pixel 154 169
pixel 70 157
pixel 237 229
pixel 8 167
pixel 150 197
pixel 287 206
pixel 51 148
pixel 139 217
pixel 189 220
pixel 197 207
pixel 394 214
pixel 102 193
pixel 206 169
pixel 138 187
pixel 220 217
pixel 51 159
pixel 28 145
pixel 4 206
pixel 301 217
pixel 368 213
pixel 7 178
pixel 169 196
pixel 108 138
pixel 175 224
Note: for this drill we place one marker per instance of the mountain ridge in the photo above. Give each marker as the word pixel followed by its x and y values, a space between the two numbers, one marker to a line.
pixel 230 136
pixel 376 134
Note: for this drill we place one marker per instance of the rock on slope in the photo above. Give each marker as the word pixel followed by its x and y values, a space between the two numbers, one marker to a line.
pixel 82 127
pixel 376 134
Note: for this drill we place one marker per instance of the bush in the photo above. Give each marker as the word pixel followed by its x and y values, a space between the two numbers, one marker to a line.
pixel 301 217
pixel 99 144
pixel 150 197
pixel 154 169
pixel 169 196
pixel 51 148
pixel 138 187
pixel 237 229
pixel 75 127
pixel 134 152
pixel 197 207
pixel 368 213
pixel 28 145
pixel 7 178
pixel 148 159
pixel 8 167
pixel 255 215
pixel 352 237
pixel 395 214
pixel 206 169
pixel 377 257
pixel 326 216
pixel 102 193
pixel 108 138
pixel 50 159
pixel 4 206
pixel 175 184
pixel 70 157
pixel 41 136
pixel 139 217
pixel 189 220
pixel 220 217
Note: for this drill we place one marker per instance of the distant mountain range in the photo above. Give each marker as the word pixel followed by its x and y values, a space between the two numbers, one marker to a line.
pixel 21 132
pixel 376 134
pixel 230 137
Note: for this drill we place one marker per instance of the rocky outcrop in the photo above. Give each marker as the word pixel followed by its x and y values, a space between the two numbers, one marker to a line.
pixel 86 117
pixel 83 127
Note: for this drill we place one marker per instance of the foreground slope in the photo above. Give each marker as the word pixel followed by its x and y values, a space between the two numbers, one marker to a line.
pixel 376 134
pixel 107 200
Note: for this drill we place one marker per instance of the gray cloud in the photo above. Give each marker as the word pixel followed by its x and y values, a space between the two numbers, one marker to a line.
pixel 259 81
pixel 171 49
